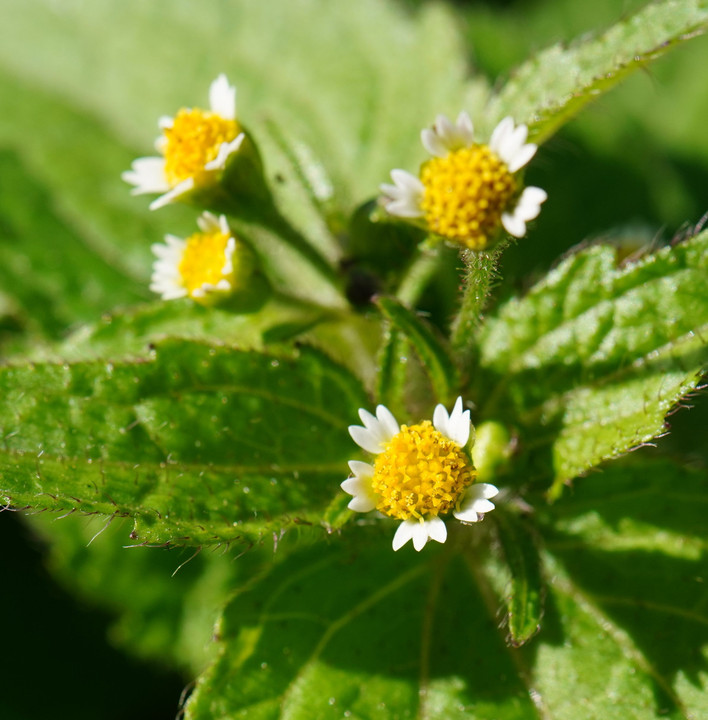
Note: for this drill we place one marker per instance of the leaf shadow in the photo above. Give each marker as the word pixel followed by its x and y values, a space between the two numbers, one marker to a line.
pixel 659 600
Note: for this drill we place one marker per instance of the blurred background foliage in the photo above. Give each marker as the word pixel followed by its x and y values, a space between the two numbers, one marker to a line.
pixel 636 161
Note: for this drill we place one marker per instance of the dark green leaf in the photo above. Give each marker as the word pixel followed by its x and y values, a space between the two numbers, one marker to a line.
pixel 629 551
pixel 342 631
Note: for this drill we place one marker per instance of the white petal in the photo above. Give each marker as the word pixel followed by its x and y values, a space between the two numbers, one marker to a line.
pixel 420 535
pixel 465 128
pixel 529 204
pixel 171 251
pixel 352 486
pixel 389 424
pixel 361 469
pixel 513 224
pixel 459 425
pixel 404 208
pixel 224 225
pixel 372 424
pixel 521 157
pixel 404 197
pixel 456 413
pixel 229 251
pixel 467 515
pixel 444 128
pixel 208 222
pixel 365 440
pixel 363 500
pixel 483 506
pixel 512 143
pixel 362 504
pixel 222 98
pixel 437 530
pixel 501 131
pixel 433 143
pixel 404 533
pixel 165 122
pixel 405 180
pixel 486 490
pixel 476 500
pixel 441 420
pixel 180 189
pixel 225 151
pixel 148 176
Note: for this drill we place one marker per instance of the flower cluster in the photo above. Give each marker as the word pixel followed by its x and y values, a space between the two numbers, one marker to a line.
pixel 195 147
pixel 465 193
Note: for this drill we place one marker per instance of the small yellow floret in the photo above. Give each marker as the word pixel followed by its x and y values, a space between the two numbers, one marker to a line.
pixel 421 473
pixel 194 140
pixel 466 193
pixel 204 260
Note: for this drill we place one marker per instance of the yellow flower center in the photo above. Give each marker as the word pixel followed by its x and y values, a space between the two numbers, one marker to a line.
pixel 204 260
pixel 194 140
pixel 421 473
pixel 466 193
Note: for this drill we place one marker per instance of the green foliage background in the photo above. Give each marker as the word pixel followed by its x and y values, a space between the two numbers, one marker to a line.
pixel 614 569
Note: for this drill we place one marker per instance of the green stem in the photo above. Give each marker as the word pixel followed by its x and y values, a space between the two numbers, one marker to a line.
pixel 481 271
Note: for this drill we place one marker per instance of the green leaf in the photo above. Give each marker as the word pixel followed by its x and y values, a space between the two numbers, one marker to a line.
pixel 355 630
pixel 433 355
pixel 525 587
pixel 129 333
pixel 628 550
pixel 552 87
pixel 596 355
pixel 52 276
pixel 392 366
pixel 199 444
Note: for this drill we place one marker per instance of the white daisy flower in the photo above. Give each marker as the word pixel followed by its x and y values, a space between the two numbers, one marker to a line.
pixel 467 190
pixel 201 267
pixel 194 146
pixel 421 472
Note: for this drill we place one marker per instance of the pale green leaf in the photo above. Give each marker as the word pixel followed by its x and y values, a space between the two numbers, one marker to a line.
pixel 351 104
pixel 598 354
pixel 199 444
pixel 552 87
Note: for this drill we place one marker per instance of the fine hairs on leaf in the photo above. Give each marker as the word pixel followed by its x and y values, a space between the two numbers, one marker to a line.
pixel 224 418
